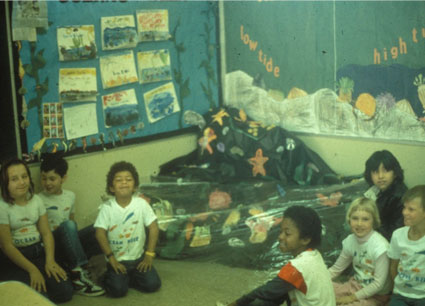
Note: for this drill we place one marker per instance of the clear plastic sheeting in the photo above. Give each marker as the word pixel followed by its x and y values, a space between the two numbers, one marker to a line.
pixel 238 223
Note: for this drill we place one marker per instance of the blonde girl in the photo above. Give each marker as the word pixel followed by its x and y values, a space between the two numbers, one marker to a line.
pixel 366 250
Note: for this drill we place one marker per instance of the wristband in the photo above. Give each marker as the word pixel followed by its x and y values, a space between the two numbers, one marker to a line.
pixel 109 255
pixel 151 254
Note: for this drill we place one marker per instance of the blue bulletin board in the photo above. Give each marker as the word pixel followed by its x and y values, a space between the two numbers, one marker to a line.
pixel 159 99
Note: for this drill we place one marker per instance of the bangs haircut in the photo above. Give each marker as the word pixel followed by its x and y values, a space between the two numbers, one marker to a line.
pixel 4 178
pixel 413 193
pixel 388 160
pixel 364 204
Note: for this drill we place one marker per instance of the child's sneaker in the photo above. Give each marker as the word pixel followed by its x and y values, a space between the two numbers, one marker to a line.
pixel 82 283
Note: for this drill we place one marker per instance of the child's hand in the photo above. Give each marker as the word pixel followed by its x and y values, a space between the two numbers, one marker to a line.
pixel 346 299
pixel 53 269
pixel 37 280
pixel 117 266
pixel 145 264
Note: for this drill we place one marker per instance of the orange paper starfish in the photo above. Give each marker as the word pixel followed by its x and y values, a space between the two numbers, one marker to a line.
pixel 258 163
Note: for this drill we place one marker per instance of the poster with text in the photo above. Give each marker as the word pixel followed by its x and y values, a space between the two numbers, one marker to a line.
pixel 161 102
pixel 154 66
pixel 120 108
pixel 77 84
pixel 152 25
pixel 118 32
pixel 117 70
pixel 76 43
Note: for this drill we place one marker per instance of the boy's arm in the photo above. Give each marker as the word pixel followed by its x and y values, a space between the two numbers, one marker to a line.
pixel 102 238
pixel 275 290
pixel 147 261
pixel 393 268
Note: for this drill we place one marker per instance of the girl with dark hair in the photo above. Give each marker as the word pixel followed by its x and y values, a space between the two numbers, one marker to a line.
pixel 385 176
pixel 25 236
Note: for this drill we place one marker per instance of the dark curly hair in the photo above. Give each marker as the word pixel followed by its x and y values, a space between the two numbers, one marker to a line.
pixel 308 223
pixel 388 160
pixel 118 167
pixel 4 178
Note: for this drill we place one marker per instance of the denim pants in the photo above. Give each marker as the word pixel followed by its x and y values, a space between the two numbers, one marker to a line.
pixel 399 300
pixel 58 292
pixel 73 247
pixel 117 284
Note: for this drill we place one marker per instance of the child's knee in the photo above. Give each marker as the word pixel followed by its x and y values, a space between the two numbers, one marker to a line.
pixel 116 291
pixel 61 293
pixel 152 285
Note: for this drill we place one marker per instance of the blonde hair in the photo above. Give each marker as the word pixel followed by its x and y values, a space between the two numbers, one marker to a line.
pixel 367 205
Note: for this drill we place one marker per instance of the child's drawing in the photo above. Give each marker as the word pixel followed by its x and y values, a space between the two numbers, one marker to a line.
pixel 117 70
pixel 152 25
pixel 76 43
pixel 77 84
pixel 120 108
pixel 161 102
pixel 154 66
pixel 118 32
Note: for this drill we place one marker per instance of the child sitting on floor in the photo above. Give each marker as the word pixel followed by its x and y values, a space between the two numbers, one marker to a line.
pixel 407 252
pixel 73 247
pixel 304 279
pixel 366 250
pixel 120 230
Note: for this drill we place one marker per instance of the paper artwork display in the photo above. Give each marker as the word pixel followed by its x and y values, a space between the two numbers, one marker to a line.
pixel 32 14
pixel 52 120
pixel 117 70
pixel 120 108
pixel 152 25
pixel 76 43
pixel 118 32
pixel 80 120
pixel 154 66
pixel 26 17
pixel 77 84
pixel 161 102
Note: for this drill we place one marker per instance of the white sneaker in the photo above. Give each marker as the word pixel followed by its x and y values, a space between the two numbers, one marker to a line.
pixel 82 283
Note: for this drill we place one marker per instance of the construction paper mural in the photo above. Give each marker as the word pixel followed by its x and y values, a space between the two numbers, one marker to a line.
pixel 77 84
pixel 152 25
pixel 120 108
pixel 52 120
pixel 80 120
pixel 76 43
pixel 118 32
pixel 154 66
pixel 327 76
pixel 117 70
pixel 161 102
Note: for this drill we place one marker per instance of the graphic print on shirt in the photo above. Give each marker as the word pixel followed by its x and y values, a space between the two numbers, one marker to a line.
pixel 363 264
pixel 121 235
pixel 408 269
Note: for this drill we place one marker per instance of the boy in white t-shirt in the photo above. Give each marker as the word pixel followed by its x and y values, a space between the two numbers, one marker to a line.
pixel 407 252
pixel 120 231
pixel 73 247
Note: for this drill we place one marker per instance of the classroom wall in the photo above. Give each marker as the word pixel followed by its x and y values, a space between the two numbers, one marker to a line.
pixel 87 173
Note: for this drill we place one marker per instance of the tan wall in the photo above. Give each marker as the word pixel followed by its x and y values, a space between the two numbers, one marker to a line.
pixel 87 173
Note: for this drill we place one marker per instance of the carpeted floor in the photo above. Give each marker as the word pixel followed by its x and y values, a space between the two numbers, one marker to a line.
pixel 186 283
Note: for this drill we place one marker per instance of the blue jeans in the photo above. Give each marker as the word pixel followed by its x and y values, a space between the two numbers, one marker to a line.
pixel 58 292
pixel 73 247
pixel 117 284
pixel 399 300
